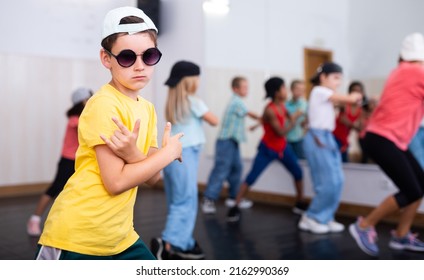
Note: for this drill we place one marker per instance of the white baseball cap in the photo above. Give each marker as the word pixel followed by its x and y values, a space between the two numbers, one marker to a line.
pixel 111 23
pixel 412 48
pixel 81 94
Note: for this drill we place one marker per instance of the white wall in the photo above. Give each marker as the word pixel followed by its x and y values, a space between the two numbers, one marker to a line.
pixel 55 28
pixel 376 29
pixel 270 35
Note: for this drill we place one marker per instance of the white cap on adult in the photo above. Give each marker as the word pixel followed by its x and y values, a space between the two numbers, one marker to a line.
pixel 412 48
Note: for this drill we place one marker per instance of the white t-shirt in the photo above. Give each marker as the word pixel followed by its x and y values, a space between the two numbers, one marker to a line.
pixel 321 113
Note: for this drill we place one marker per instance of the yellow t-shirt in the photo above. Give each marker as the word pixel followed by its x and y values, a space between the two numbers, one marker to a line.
pixel 85 218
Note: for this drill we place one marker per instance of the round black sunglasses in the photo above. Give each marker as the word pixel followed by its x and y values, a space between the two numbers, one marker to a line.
pixel 127 58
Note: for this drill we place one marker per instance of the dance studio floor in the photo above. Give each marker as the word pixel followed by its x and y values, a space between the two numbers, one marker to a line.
pixel 265 232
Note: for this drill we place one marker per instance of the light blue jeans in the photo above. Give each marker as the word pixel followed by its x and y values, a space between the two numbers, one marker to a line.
pixel 180 180
pixel 417 146
pixel 326 170
pixel 228 167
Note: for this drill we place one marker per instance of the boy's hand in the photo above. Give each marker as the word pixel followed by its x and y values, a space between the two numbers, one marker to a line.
pixel 172 143
pixel 123 142
pixel 254 127
pixel 298 114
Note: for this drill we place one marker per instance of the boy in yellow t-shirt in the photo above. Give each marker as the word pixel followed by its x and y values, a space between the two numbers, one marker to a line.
pixel 93 216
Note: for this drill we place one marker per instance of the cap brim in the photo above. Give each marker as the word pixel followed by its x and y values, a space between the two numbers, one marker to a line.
pixel 172 82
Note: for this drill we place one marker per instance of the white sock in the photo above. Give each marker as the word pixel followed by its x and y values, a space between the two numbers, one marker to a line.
pixel 35 218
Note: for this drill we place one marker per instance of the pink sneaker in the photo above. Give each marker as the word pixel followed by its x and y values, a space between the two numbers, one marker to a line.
pixel 33 226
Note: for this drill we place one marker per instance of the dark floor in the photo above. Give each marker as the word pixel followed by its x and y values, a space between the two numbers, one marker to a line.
pixel 264 233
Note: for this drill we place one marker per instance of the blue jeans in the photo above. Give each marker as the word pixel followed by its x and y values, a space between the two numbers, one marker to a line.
pixel 228 167
pixel 417 146
pixel 180 180
pixel 265 156
pixel 326 170
pixel 344 154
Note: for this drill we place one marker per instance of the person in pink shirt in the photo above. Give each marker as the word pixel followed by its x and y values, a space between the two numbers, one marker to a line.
pixel 66 165
pixel 390 129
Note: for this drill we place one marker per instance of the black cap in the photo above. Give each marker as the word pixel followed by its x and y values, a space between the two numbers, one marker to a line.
pixel 180 70
pixel 272 85
pixel 326 68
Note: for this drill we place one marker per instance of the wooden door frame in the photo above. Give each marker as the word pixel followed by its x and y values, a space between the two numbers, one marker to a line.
pixel 307 53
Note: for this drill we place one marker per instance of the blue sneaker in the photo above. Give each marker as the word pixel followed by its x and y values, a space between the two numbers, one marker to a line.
pixel 408 242
pixel 365 238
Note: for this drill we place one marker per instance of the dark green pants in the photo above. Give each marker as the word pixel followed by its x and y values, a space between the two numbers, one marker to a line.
pixel 137 251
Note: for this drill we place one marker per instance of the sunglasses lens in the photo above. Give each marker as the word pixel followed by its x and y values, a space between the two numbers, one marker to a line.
pixel 126 58
pixel 151 56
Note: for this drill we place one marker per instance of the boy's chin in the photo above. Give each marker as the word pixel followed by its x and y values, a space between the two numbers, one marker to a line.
pixel 138 86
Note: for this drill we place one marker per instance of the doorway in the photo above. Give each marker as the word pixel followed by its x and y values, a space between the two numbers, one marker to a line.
pixel 314 58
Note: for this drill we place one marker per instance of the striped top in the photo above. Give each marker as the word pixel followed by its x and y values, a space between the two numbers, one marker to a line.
pixel 233 126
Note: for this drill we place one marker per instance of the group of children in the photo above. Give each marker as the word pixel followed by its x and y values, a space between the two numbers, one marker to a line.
pixel 92 217
pixel 273 145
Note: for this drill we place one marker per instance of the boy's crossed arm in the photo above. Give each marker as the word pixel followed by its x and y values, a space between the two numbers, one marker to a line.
pixel 123 166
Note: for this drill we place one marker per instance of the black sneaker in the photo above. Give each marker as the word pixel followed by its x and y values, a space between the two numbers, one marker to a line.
pixel 300 207
pixel 233 214
pixel 193 254
pixel 157 246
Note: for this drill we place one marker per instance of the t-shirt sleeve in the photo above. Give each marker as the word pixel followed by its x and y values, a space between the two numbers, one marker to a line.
pixel 324 94
pixel 241 109
pixel 198 107
pixel 96 120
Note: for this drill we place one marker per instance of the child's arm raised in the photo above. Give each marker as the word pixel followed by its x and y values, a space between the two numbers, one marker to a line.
pixel 272 119
pixel 119 176
pixel 253 115
pixel 354 97
pixel 210 118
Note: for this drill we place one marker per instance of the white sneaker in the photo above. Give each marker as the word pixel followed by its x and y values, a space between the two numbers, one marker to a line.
pixel 335 226
pixel 230 202
pixel 313 226
pixel 244 203
pixel 208 206
pixel 33 226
